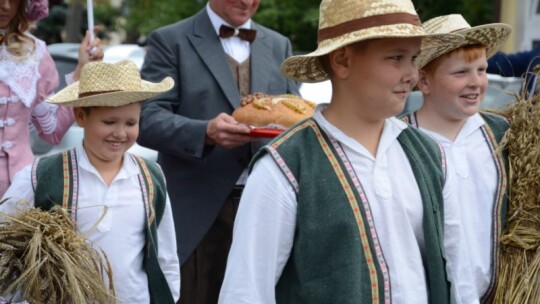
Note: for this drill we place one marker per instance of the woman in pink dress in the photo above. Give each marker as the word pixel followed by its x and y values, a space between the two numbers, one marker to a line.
pixel 27 77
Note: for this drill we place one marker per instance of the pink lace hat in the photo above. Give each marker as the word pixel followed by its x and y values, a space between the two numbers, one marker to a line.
pixel 37 9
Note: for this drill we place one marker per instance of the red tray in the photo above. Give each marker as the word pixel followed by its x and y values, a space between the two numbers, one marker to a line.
pixel 265 132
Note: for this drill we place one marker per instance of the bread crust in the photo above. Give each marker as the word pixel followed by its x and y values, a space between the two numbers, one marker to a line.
pixel 278 111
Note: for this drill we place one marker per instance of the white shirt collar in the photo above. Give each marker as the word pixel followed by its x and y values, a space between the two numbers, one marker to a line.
pixel 391 130
pixel 217 21
pixel 471 125
pixel 128 169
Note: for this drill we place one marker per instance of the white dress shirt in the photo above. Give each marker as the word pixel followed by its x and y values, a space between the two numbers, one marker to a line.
pixel 476 179
pixel 264 227
pixel 122 232
pixel 233 46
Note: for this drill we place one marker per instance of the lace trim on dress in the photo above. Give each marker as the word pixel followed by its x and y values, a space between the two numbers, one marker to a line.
pixel 22 74
pixel 45 113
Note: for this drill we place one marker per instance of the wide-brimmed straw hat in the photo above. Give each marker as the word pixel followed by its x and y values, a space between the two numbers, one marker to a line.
pixel 109 85
pixel 342 22
pixel 491 35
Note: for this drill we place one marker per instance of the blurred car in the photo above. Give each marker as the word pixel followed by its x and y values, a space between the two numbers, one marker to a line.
pixel 500 92
pixel 65 58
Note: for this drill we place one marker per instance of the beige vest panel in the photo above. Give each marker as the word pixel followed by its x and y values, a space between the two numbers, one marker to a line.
pixel 241 74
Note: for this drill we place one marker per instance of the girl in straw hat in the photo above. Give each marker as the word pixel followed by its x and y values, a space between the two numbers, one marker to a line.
pixel 352 205
pixel 453 82
pixel 137 231
pixel 27 76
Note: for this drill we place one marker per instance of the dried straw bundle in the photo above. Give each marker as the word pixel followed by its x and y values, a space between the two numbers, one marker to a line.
pixel 44 260
pixel 519 276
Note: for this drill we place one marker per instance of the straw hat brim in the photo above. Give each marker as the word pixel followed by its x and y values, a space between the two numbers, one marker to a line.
pixel 69 96
pixel 492 36
pixel 307 68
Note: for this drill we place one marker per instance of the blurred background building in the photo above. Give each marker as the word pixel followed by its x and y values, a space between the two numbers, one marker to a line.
pixel 524 18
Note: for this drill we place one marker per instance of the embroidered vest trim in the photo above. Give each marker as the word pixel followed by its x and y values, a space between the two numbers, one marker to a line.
pixel 353 202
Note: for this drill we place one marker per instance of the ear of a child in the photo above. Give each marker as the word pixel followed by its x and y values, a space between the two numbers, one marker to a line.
pixel 80 116
pixel 423 82
pixel 339 62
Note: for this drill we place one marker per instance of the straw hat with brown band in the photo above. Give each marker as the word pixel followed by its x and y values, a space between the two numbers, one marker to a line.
pixel 343 22
pixel 491 35
pixel 109 85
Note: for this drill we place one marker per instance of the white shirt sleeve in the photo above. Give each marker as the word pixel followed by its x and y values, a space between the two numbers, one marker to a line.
pixel 262 237
pixel 458 265
pixel 167 254
pixel 20 195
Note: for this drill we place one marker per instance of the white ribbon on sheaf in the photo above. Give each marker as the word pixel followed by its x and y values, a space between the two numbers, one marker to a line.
pixel 21 75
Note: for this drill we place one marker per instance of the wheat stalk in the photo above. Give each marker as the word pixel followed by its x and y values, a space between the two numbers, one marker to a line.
pixel 43 259
pixel 519 275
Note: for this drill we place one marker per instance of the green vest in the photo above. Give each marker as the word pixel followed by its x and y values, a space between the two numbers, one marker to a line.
pixel 55 181
pixel 335 258
pixel 493 131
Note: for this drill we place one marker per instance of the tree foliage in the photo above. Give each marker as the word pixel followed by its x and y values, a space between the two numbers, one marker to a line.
pixel 296 19
pixel 475 12
pixel 144 16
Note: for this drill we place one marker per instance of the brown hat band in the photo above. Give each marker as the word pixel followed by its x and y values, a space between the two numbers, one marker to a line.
pixel 365 23
pixel 81 95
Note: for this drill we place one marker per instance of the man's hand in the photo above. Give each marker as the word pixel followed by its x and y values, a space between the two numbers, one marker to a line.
pixel 225 131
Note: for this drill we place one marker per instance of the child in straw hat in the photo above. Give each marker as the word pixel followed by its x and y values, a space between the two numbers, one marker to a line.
pixel 98 178
pixel 453 82
pixel 350 206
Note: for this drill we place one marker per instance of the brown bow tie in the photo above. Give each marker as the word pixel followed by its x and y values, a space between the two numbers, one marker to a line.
pixel 1 39
pixel 245 34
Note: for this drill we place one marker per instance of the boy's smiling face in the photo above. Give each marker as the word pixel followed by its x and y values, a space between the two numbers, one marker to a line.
pixel 380 74
pixel 109 131
pixel 457 87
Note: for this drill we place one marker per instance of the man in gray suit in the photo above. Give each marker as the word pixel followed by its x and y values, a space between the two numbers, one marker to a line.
pixel 203 151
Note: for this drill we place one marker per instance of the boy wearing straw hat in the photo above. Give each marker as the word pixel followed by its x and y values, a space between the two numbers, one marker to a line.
pixel 98 177
pixel 453 82
pixel 350 206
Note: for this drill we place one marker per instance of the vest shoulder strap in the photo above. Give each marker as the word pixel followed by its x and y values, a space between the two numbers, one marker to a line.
pixel 52 180
pixel 156 190
pixel 497 123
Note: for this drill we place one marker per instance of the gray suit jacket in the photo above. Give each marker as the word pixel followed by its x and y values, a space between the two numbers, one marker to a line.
pixel 199 177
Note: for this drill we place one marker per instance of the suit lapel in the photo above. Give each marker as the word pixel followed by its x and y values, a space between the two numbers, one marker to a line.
pixel 261 59
pixel 206 43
